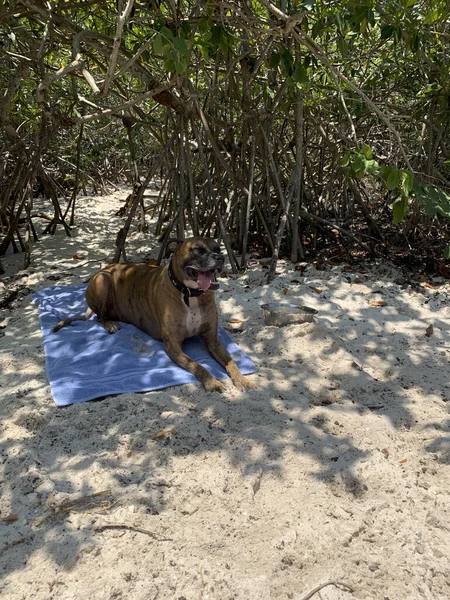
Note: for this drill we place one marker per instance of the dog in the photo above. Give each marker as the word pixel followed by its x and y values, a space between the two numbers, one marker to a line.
pixel 170 303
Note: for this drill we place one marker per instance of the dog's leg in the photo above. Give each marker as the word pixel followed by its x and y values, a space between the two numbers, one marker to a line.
pixel 220 354
pixel 174 351
pixel 100 295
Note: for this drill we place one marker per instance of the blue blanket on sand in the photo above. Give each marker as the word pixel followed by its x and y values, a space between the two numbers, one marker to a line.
pixel 85 362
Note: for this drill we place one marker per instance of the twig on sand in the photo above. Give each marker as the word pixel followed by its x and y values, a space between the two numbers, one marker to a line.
pixel 131 528
pixel 342 586
pixel 16 543
pixel 98 502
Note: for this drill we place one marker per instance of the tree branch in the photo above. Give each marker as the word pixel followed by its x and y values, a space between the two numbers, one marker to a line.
pixel 116 45
pixel 317 51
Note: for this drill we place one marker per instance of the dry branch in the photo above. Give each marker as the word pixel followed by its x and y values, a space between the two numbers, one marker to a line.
pixel 116 45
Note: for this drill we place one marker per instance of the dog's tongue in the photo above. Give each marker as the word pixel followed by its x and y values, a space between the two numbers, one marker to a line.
pixel 205 279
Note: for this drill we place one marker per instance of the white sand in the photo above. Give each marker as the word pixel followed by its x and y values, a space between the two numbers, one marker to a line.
pixel 336 467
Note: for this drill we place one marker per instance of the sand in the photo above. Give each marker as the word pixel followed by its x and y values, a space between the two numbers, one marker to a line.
pixel 334 469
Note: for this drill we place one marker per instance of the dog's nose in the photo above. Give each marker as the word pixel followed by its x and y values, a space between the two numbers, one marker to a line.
pixel 218 256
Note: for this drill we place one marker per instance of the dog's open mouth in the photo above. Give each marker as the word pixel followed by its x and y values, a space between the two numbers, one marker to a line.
pixel 206 280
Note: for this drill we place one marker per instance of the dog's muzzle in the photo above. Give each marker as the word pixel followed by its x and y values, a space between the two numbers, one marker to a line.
pixel 205 274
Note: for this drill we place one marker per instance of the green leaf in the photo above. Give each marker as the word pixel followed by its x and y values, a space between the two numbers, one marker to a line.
pixel 169 64
pixel 435 200
pixel 158 44
pixel 393 179
pixel 286 61
pixel 407 182
pixel 166 32
pixel 204 25
pixel 216 32
pixel 340 22
pixel 367 151
pixel 413 42
pixel 343 47
pixel 425 200
pixel 180 67
pixel 274 60
pixel 372 167
pixel 431 17
pixel 398 33
pixel 447 252
pixel 346 159
pixel 386 32
pixel 185 29
pixel 300 74
pixel 317 29
pixel 224 41
pixel 181 46
pixel 358 165
pixel 399 209
pixel 431 88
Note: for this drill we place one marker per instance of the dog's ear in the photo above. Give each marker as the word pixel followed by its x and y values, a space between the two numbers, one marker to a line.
pixel 172 246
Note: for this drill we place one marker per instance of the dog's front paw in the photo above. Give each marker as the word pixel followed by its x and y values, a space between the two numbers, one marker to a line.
pixel 213 385
pixel 243 383
pixel 110 326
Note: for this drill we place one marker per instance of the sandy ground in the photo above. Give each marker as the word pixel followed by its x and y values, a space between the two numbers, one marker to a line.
pixel 335 468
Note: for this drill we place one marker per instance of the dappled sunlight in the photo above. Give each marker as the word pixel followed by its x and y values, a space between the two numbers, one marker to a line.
pixel 348 414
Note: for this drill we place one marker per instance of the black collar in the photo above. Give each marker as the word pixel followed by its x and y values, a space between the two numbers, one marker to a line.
pixel 187 292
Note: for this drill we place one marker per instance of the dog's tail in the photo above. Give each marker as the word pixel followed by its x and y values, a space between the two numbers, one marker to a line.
pixel 65 322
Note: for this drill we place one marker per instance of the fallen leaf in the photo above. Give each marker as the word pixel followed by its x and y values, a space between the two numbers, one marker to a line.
pixel 378 303
pixel 75 257
pixel 429 331
pixel 236 321
pixel 403 461
pixel 285 291
pixel 223 275
pixel 323 401
pixel 162 434
pixel 385 451
pixel 316 290
pixel 302 267
pixel 256 482
pixel 10 518
pixel 430 286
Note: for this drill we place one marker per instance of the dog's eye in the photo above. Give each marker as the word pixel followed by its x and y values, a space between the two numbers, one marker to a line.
pixel 200 249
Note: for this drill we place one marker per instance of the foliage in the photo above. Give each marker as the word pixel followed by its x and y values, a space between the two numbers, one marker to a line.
pixel 272 120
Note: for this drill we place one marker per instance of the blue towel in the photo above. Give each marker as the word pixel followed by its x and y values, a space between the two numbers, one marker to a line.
pixel 85 362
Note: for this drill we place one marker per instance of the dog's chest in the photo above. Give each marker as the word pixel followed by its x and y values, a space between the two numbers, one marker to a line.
pixel 193 317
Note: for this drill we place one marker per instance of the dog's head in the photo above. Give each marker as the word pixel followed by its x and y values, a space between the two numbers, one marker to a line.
pixel 197 261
